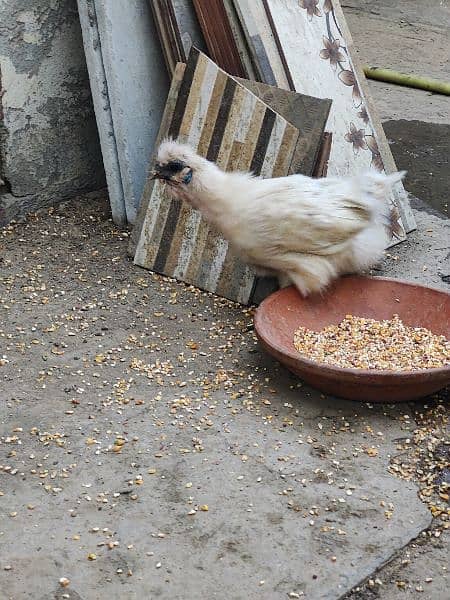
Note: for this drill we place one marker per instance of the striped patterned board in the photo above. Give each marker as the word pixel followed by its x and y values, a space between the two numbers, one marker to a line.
pixel 231 126
pixel 162 133
pixel 309 115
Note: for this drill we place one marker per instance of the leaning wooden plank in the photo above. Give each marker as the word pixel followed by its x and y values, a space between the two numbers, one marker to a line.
pixel 178 30
pixel 102 108
pixel 229 125
pixel 137 86
pixel 219 37
pixel 187 27
pixel 308 115
pixel 401 198
pixel 163 26
pixel 162 133
pixel 318 52
pixel 262 43
pixel 240 40
pixel 323 157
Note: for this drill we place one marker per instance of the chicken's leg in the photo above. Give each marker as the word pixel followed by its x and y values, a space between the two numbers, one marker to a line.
pixel 311 274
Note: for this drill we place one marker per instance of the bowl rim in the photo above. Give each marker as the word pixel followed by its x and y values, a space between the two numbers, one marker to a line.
pixel 333 370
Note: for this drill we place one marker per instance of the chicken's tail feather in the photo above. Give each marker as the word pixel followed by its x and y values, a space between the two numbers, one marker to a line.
pixel 374 191
pixel 385 180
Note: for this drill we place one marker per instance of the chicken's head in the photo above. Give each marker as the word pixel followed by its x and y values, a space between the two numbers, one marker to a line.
pixel 176 163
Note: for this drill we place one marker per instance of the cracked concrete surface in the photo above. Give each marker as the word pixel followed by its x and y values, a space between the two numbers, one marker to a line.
pixel 150 449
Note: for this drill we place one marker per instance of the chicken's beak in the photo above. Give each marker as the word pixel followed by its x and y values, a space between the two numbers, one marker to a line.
pixel 163 173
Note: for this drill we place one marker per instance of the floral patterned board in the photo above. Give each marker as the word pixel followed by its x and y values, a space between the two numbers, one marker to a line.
pixel 317 50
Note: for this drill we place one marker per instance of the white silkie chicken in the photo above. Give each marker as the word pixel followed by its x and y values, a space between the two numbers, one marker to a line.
pixel 305 231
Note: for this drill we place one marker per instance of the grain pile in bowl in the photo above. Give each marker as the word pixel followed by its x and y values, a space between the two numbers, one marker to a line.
pixel 360 343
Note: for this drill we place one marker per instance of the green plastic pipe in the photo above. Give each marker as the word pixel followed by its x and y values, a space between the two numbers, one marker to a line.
pixel 422 83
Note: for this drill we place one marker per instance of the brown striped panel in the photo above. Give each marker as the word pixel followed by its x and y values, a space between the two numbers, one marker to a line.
pixel 233 272
pixel 167 236
pixel 183 94
pixel 153 226
pixel 214 249
pixel 190 96
pixel 231 129
pixel 146 215
pixel 197 252
pixel 263 141
pixel 219 150
pixel 193 98
pixel 190 128
pixel 206 147
pixel 252 136
pixel 203 146
pixel 285 155
pixel 279 149
pixel 212 113
pixel 217 138
pixel 221 120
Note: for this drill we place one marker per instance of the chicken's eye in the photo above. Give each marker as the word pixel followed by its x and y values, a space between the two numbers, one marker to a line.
pixel 174 166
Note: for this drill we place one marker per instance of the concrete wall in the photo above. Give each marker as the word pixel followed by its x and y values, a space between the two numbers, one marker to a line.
pixel 49 148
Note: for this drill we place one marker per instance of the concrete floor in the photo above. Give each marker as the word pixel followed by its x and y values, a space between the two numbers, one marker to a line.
pixel 149 449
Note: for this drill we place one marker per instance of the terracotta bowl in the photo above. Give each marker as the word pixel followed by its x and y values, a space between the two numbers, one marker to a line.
pixel 283 312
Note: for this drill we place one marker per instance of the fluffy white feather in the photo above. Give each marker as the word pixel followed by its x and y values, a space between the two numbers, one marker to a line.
pixel 307 231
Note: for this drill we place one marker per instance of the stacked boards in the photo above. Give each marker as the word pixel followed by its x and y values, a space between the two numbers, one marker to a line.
pixel 283 59
pixel 305 46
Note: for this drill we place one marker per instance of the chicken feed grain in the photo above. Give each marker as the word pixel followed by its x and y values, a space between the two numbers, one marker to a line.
pixel 361 343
